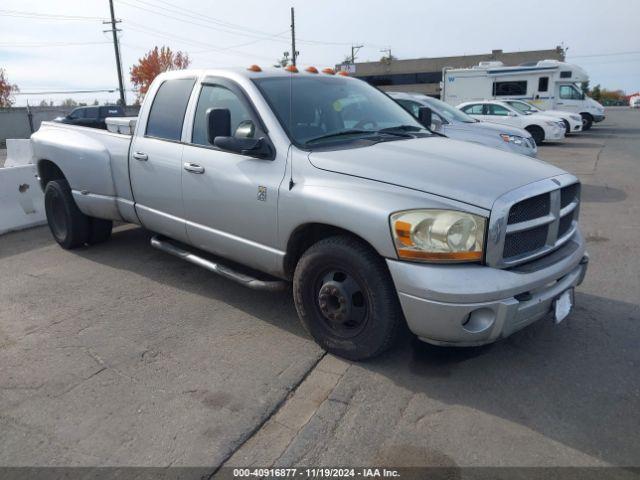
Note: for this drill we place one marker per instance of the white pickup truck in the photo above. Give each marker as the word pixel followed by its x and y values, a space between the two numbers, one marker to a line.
pixel 325 182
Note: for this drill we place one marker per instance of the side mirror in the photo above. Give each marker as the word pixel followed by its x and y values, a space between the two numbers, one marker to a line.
pixel 218 124
pixel 425 116
pixel 254 147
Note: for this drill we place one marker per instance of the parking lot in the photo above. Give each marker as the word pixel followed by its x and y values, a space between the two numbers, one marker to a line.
pixel 122 355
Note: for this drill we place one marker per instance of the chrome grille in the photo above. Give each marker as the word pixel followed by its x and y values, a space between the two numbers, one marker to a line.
pixel 530 208
pixel 532 221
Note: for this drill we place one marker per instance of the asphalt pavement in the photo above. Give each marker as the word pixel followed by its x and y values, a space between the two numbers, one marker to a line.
pixel 122 355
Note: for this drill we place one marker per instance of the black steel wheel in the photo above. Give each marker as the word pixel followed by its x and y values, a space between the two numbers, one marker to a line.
pixel 346 299
pixel 68 225
pixel 587 121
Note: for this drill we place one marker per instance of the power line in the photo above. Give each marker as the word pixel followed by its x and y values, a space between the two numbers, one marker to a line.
pixel 155 33
pixel 603 54
pixel 46 45
pixel 63 92
pixel 45 16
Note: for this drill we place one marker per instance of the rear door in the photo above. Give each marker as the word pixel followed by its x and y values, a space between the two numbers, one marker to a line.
pixel 155 160
pixel 499 114
pixel 476 110
pixel 231 199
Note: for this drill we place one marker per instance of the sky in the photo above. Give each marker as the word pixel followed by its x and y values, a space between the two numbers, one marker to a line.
pixel 64 54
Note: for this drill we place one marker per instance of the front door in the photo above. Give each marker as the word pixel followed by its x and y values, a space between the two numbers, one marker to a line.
pixel 569 98
pixel 155 161
pixel 231 199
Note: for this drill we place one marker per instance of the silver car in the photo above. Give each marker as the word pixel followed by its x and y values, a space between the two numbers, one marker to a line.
pixel 458 125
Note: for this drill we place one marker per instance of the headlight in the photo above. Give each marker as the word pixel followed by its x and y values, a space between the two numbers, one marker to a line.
pixel 577 118
pixel 438 235
pixel 512 139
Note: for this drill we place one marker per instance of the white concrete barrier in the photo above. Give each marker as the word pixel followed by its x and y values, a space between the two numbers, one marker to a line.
pixel 19 152
pixel 21 199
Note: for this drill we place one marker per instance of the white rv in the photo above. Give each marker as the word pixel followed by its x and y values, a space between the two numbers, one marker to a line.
pixel 549 84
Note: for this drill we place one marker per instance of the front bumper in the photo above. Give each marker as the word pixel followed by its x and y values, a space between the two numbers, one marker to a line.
pixel 466 305
pixel 554 133
pixel 599 118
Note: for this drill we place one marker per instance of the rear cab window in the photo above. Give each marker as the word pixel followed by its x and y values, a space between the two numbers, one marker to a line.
pixel 168 109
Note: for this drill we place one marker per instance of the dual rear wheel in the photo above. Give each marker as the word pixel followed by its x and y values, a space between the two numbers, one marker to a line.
pixel 69 226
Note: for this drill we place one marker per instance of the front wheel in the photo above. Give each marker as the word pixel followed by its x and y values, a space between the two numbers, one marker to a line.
pixel 587 121
pixel 537 133
pixel 346 299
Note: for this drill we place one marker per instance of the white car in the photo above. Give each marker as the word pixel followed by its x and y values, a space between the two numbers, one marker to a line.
pixel 542 128
pixel 572 121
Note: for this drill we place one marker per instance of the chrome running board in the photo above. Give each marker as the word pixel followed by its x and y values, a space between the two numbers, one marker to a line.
pixel 164 244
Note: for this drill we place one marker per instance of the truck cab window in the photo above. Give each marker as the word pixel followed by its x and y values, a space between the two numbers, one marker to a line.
pixel 216 96
pixel 77 114
pixel 168 109
pixel 569 92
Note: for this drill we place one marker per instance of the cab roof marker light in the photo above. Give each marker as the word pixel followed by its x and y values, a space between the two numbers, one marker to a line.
pixel 254 68
pixel 329 71
pixel 342 73
pixel 311 70
pixel 292 69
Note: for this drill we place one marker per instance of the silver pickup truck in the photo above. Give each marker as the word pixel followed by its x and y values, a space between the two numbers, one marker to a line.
pixel 271 178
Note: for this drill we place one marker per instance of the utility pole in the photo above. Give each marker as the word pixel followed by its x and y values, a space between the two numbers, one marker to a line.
pixel 294 52
pixel 354 52
pixel 116 47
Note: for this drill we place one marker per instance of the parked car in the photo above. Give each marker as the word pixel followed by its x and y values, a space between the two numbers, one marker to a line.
pixel 326 182
pixel 541 127
pixel 91 116
pixel 572 122
pixel 456 124
pixel 549 84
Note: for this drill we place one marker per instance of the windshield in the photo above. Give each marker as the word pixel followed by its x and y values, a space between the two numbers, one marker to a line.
pixel 319 109
pixel 447 111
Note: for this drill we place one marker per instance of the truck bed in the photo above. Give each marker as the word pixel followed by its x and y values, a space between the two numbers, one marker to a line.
pixel 95 162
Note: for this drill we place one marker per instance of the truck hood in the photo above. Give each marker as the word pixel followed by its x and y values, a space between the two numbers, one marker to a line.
pixel 461 171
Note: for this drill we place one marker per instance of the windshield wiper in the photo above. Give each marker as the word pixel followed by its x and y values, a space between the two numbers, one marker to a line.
pixel 401 130
pixel 340 134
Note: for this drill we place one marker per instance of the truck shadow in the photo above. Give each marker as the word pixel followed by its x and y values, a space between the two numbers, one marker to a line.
pixel 576 383
pixel 129 249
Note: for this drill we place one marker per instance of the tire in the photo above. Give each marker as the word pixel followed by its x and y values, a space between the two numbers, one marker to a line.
pixel 587 121
pixel 537 133
pixel 343 277
pixel 69 226
pixel 99 230
pixel 567 127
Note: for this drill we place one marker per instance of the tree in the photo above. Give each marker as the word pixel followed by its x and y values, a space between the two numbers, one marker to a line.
pixel 7 90
pixel 69 102
pixel 596 93
pixel 153 64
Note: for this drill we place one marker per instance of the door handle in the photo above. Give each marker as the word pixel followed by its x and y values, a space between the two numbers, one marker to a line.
pixel 140 156
pixel 193 167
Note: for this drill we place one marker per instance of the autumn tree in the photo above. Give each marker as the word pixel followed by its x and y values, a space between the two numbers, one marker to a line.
pixel 154 63
pixel 7 90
